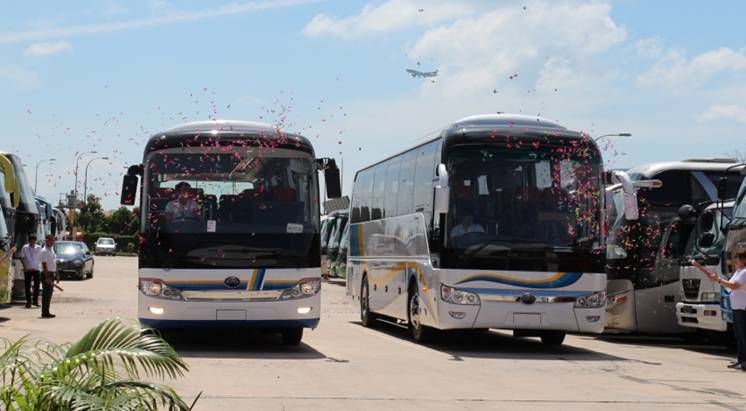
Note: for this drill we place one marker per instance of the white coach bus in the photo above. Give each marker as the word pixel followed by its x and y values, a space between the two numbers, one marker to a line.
pixel 230 228
pixel 492 222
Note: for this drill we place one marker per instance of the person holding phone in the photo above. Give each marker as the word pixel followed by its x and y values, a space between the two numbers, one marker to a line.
pixel 737 287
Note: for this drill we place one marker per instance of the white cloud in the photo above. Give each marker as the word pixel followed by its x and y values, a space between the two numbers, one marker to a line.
pixel 389 16
pixel 177 17
pixel 480 51
pixel 649 47
pixel 724 112
pixel 21 77
pixel 47 49
pixel 673 70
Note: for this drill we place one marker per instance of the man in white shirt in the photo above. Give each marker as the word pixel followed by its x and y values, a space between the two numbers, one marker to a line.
pixel 31 270
pixel 48 260
pixel 183 207
pixel 737 287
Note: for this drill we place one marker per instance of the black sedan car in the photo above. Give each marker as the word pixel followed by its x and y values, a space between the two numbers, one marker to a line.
pixel 74 260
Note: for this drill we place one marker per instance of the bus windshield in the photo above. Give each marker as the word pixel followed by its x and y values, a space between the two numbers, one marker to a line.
pixel 231 207
pixel 527 197
pixel 189 190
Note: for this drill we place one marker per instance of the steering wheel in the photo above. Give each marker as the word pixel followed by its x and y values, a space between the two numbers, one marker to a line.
pixel 464 240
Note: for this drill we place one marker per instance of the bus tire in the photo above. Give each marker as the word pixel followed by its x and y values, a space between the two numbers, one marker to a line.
pixel 292 336
pixel 367 318
pixel 553 338
pixel 419 332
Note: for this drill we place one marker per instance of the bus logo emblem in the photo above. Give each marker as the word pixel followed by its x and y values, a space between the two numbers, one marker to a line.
pixel 232 282
pixel 528 298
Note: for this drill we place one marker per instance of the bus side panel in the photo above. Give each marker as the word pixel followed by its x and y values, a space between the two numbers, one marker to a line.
pixel 389 252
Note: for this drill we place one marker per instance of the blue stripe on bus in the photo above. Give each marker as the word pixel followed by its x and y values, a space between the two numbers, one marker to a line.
pixel 556 280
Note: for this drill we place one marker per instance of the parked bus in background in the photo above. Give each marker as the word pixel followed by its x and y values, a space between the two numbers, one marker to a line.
pixel 339 266
pixel 26 221
pixel 327 230
pixel 230 228
pixel 492 222
pixel 700 305
pixel 644 285
pixel 59 224
pixel 9 200
pixel 735 234
pixel 335 239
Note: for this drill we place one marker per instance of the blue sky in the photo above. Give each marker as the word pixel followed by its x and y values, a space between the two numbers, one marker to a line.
pixel 104 75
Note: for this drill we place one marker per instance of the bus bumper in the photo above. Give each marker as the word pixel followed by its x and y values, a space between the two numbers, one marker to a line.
pixel 161 313
pixel 516 315
pixel 704 316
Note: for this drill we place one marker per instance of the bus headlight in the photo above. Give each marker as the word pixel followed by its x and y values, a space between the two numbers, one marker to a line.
pixel 456 296
pixel 304 288
pixel 710 296
pixel 595 300
pixel 153 287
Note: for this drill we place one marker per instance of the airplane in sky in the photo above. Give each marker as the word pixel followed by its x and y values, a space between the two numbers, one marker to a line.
pixel 422 74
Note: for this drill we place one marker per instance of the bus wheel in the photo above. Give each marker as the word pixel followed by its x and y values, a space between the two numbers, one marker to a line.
pixel 419 332
pixel 367 318
pixel 292 336
pixel 553 338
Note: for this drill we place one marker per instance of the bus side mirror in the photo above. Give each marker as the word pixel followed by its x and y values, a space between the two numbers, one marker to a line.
pixel 687 212
pixel 129 190
pixel 722 187
pixel 442 191
pixel 333 185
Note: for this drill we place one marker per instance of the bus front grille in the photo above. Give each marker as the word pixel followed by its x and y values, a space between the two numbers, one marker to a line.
pixel 691 288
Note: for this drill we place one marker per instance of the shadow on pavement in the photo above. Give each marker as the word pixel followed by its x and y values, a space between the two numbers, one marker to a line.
pixel 497 345
pixel 714 346
pixel 237 343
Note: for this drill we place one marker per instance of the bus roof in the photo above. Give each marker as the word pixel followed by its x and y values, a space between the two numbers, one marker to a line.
pixel 201 132
pixel 653 169
pixel 514 124
pixel 505 120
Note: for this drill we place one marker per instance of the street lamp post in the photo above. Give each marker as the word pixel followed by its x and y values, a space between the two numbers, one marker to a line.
pixel 36 173
pixel 85 178
pixel 75 191
pixel 596 139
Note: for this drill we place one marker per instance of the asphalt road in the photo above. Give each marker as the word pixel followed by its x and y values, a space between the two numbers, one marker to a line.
pixel 342 365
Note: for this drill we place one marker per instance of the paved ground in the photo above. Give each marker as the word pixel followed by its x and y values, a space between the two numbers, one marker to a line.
pixel 342 365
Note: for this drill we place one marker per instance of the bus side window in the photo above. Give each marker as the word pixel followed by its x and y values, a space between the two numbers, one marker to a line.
pixel 392 187
pixel 355 214
pixel 365 194
pixel 406 183
pixel 379 191
pixel 423 180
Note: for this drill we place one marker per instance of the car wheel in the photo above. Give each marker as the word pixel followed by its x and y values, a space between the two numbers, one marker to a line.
pixel 81 274
pixel 90 273
pixel 419 332
pixel 367 318
pixel 292 336
pixel 553 338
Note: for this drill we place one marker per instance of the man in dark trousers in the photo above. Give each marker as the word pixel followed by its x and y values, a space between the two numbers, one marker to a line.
pixel 31 270
pixel 48 260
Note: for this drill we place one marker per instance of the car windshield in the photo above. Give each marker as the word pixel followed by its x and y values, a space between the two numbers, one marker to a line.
pixel 62 248
pixel 106 241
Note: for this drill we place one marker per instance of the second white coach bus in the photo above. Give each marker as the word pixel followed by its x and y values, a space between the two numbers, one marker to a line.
pixel 492 222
